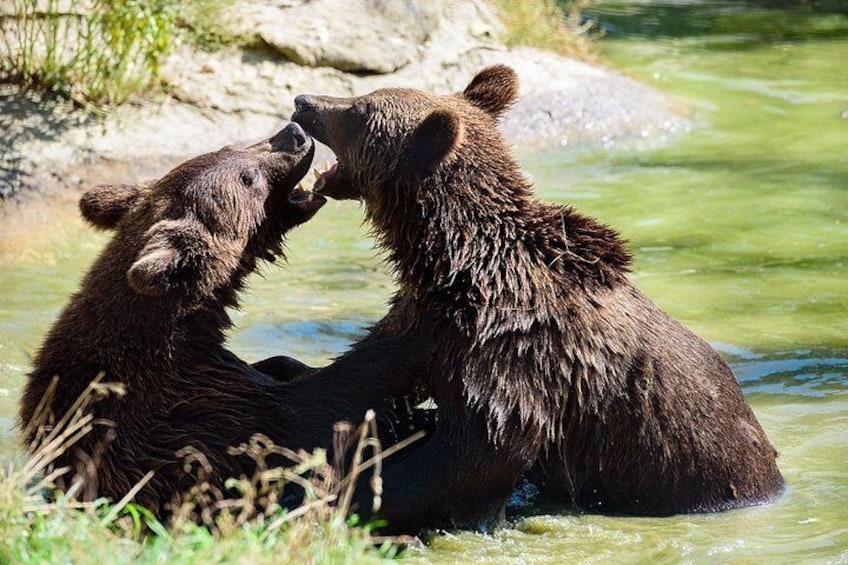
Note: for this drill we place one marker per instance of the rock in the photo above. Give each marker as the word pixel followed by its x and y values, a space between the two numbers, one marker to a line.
pixel 251 91
pixel 372 36
pixel 564 101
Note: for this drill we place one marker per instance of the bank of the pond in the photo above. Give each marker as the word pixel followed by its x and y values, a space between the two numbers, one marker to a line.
pixel 246 91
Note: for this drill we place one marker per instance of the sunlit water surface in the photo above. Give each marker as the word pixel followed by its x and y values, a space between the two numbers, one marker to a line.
pixel 740 229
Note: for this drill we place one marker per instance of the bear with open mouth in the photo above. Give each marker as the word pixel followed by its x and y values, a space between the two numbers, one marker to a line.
pixel 150 316
pixel 547 359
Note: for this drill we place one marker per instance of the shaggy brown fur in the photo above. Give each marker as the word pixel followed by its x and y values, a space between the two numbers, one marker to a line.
pixel 151 315
pixel 546 356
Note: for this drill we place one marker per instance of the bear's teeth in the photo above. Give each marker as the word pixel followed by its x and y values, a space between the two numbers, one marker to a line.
pixel 327 165
pixel 317 173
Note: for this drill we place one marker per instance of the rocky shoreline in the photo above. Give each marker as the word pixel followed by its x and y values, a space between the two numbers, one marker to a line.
pixel 321 46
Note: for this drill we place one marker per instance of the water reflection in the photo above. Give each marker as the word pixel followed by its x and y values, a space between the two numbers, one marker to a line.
pixel 312 341
pixel 728 24
pixel 816 377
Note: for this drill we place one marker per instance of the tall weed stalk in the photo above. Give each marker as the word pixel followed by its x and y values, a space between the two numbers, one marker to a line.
pixel 247 524
pixel 96 52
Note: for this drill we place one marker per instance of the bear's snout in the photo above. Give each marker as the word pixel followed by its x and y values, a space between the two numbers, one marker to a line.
pixel 291 138
pixel 305 103
pixel 298 135
pixel 321 115
pixel 307 110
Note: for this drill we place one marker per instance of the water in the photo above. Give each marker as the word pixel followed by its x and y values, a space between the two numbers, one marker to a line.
pixel 740 229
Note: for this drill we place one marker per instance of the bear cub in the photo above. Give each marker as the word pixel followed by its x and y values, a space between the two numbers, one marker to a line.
pixel 546 358
pixel 151 316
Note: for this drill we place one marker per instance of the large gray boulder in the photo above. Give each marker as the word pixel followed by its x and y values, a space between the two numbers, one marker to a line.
pixel 246 91
pixel 370 36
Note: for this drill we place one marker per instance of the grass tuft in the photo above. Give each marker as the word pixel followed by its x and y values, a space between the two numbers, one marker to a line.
pixel 100 53
pixel 206 23
pixel 209 526
pixel 548 25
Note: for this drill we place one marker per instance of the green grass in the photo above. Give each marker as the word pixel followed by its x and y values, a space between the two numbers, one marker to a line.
pixel 548 25
pixel 105 52
pixel 35 531
pixel 208 527
pixel 206 23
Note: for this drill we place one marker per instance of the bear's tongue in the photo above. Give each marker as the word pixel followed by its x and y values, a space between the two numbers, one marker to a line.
pixel 321 177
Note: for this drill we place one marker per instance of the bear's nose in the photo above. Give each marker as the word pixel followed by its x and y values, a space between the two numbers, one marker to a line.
pixel 305 102
pixel 297 134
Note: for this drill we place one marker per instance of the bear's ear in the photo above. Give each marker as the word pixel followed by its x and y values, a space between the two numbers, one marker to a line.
pixel 178 251
pixel 493 90
pixel 431 142
pixel 104 205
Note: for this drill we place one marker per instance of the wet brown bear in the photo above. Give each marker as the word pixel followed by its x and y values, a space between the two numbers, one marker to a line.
pixel 546 356
pixel 151 315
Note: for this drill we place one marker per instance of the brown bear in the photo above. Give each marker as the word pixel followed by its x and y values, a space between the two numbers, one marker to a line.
pixel 151 315
pixel 546 357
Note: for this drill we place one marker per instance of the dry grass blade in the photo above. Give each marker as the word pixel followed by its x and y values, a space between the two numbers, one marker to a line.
pixel 47 480
pixel 368 463
pixel 327 498
pixel 49 452
pixel 52 440
pixel 356 466
pixel 115 510
pixel 224 510
pixel 301 510
pixel 41 414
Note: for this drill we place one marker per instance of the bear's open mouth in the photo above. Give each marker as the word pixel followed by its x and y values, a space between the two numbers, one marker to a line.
pixel 306 200
pixel 322 176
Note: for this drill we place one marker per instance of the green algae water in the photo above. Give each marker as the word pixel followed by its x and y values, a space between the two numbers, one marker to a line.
pixel 740 230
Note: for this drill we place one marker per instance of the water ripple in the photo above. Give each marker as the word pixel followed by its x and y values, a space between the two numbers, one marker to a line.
pixel 807 376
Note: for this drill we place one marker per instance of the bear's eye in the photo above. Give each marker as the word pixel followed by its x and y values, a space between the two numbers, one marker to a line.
pixel 250 177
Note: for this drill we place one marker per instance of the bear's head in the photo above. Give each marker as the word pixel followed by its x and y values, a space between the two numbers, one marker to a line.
pixel 202 226
pixel 393 139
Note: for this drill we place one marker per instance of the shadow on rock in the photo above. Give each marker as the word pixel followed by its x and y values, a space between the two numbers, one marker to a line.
pixel 27 118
